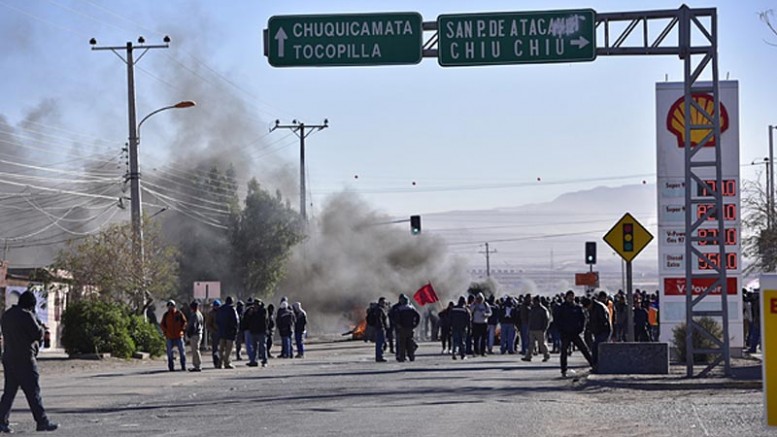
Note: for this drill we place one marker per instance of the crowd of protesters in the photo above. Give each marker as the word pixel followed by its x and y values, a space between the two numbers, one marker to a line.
pixel 524 325
pixel 232 326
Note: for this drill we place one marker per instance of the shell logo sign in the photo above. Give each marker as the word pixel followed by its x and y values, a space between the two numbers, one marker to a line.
pixel 675 120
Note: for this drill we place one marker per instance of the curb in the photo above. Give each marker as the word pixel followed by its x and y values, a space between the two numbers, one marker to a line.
pixel 668 383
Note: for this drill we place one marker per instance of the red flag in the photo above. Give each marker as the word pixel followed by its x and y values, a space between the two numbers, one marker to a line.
pixel 426 295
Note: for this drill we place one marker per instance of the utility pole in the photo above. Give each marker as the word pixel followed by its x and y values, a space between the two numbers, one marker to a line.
pixel 770 180
pixel 299 129
pixel 134 174
pixel 488 260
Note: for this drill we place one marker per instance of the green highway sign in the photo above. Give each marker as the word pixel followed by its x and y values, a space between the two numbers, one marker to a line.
pixel 516 38
pixel 344 39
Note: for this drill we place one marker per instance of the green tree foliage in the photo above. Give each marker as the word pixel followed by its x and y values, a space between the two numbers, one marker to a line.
pixel 202 233
pixel 95 326
pixel 104 264
pixel 759 240
pixel 262 236
pixel 146 336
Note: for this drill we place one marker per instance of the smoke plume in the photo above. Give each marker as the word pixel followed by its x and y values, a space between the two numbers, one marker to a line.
pixel 354 255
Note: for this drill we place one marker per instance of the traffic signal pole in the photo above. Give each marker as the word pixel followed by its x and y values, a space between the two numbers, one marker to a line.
pixel 630 304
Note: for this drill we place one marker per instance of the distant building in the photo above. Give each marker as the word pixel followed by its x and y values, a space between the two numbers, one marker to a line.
pixel 51 288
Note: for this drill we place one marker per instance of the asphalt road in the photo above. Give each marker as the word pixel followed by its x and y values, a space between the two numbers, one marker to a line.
pixel 338 390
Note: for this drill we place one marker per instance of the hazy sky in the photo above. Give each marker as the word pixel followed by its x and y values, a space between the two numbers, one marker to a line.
pixel 412 139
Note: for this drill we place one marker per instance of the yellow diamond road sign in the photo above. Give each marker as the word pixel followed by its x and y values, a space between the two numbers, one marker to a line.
pixel 628 237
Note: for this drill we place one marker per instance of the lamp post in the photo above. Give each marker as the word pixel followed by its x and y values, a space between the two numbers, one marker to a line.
pixel 134 178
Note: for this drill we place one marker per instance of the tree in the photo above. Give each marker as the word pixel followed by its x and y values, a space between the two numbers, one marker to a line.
pixel 767 17
pixel 200 229
pixel 760 241
pixel 262 236
pixel 105 263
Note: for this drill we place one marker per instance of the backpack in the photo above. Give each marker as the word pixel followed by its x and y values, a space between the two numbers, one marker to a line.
pixel 372 317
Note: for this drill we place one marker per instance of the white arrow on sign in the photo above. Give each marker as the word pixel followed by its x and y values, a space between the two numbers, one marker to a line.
pixel 580 42
pixel 281 37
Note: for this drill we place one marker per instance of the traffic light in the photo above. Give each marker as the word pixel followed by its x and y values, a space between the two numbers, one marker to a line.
pixel 415 224
pixel 590 252
pixel 628 237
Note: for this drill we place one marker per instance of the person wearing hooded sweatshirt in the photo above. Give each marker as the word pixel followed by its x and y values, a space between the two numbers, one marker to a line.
pixel 22 336
pixel 460 325
pixel 300 324
pixel 481 311
pixel 284 320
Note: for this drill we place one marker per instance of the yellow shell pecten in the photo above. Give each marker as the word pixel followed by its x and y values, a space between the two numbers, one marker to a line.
pixel 675 120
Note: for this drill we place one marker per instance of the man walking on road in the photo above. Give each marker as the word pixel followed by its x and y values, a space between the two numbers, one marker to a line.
pixel 173 326
pixel 22 336
pixel 571 322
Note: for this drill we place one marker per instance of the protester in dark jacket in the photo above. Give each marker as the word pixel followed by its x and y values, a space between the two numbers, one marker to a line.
pixel 256 325
pixel 598 324
pixel 227 323
pixel 641 325
pixel 284 320
pixel 300 325
pixel 445 328
pixel 571 322
pixel 21 340
pixel 407 319
pixel 240 338
pixel 460 326
pixel 525 309
pixel 508 318
pixel 270 327
pixel 539 319
pixel 380 326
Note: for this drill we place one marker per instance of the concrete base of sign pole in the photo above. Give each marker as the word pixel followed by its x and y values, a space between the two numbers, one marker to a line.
pixel 633 358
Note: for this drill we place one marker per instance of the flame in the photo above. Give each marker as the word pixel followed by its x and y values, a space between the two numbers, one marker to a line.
pixel 675 120
pixel 359 330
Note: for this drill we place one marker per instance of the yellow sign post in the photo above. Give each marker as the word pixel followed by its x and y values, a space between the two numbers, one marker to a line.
pixel 628 237
pixel 768 300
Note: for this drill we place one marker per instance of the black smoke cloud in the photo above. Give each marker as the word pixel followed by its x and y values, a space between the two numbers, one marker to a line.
pixel 354 255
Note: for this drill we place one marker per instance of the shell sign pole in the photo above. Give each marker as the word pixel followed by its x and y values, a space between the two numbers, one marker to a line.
pixel 769 346
pixel 670 136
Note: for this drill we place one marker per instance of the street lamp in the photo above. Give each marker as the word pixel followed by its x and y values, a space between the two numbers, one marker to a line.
pixel 180 105
pixel 134 177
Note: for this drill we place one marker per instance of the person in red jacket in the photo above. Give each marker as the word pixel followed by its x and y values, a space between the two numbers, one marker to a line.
pixel 173 326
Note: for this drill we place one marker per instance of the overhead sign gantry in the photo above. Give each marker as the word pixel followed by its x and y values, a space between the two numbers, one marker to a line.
pixel 539 37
